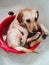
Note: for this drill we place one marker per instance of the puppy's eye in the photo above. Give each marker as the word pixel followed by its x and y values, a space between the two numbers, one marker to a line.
pixel 28 20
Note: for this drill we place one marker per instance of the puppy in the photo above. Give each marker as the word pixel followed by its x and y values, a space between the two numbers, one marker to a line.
pixel 16 34
pixel 25 22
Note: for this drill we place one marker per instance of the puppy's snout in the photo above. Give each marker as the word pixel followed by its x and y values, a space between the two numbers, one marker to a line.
pixel 36 18
pixel 37 11
pixel 34 31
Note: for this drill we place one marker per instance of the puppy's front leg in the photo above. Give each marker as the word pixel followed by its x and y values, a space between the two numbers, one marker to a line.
pixel 32 40
pixel 39 40
pixel 33 37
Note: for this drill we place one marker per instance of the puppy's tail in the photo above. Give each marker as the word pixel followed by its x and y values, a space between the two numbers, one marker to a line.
pixel 25 50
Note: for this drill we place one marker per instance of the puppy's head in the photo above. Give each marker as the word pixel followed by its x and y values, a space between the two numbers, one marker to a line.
pixel 28 17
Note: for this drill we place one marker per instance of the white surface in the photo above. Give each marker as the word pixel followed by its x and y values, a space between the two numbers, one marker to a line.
pixel 26 59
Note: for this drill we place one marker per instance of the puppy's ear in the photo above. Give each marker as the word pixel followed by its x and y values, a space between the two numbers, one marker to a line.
pixel 19 17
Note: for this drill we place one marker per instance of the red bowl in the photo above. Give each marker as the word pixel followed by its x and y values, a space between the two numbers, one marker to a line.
pixel 3 31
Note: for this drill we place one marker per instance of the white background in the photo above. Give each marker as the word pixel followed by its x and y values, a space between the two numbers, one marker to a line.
pixel 43 49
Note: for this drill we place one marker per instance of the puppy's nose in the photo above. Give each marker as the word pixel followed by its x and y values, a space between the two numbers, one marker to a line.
pixel 37 11
pixel 36 19
pixel 34 31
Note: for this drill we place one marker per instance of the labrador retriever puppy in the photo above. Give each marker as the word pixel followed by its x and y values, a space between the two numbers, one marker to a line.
pixel 19 30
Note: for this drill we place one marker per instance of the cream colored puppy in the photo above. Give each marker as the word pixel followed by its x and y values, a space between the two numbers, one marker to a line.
pixel 17 34
pixel 23 24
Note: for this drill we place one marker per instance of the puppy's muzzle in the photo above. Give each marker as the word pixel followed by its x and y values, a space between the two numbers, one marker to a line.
pixel 33 32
